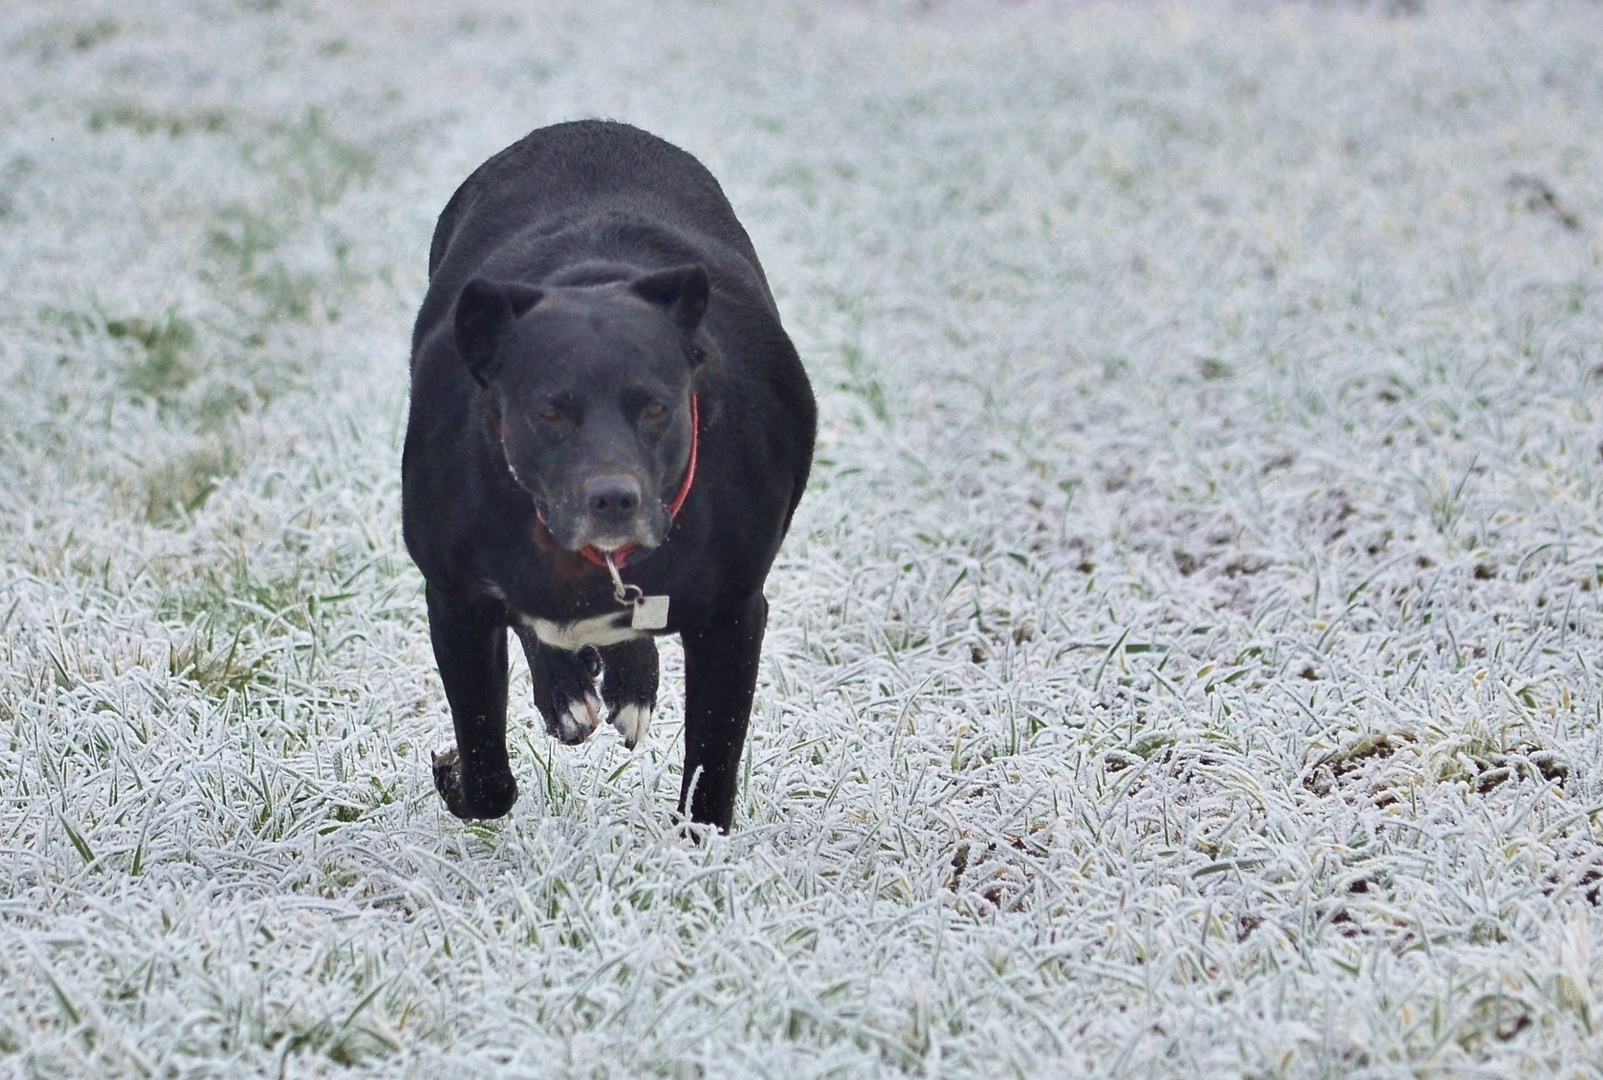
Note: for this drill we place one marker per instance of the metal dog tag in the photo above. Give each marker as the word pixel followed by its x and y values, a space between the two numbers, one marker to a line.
pixel 651 613
pixel 645 612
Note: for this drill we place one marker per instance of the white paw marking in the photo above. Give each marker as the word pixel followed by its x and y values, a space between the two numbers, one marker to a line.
pixel 600 631
pixel 581 719
pixel 631 722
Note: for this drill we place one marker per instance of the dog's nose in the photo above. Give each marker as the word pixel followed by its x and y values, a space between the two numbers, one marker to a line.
pixel 612 497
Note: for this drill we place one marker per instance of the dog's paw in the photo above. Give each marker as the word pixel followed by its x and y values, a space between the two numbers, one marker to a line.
pixel 631 722
pixel 472 798
pixel 578 720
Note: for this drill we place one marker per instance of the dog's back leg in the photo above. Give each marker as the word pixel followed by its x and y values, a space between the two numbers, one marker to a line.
pixel 630 687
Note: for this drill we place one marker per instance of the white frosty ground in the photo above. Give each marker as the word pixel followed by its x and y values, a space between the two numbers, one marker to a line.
pixel 1185 662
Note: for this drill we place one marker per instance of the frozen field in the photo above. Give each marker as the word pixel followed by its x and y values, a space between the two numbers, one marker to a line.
pixel 1185 662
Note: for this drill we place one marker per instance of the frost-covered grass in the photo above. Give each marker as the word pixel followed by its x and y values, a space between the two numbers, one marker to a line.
pixel 1185 662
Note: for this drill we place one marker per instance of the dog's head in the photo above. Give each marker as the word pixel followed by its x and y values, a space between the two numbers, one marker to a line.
pixel 588 394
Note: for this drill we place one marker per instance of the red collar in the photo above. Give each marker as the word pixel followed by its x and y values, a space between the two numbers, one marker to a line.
pixel 620 556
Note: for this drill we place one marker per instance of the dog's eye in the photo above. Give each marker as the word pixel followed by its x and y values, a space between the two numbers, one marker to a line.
pixel 550 415
pixel 654 411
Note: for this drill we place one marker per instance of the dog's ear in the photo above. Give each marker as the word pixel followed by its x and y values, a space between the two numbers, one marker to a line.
pixel 683 290
pixel 485 313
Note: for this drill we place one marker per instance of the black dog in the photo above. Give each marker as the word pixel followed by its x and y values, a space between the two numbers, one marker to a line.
pixel 609 433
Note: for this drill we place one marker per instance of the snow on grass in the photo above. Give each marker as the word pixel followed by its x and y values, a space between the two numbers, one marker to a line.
pixel 1184 662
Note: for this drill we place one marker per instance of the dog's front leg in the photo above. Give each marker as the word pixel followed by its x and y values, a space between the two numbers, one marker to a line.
pixel 470 646
pixel 630 689
pixel 564 687
pixel 720 679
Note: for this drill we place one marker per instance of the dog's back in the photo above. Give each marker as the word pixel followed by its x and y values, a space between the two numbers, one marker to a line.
pixel 591 188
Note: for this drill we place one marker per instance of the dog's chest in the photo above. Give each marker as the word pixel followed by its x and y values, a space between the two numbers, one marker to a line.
pixel 612 628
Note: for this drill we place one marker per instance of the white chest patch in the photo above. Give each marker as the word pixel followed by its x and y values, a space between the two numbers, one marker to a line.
pixel 600 631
